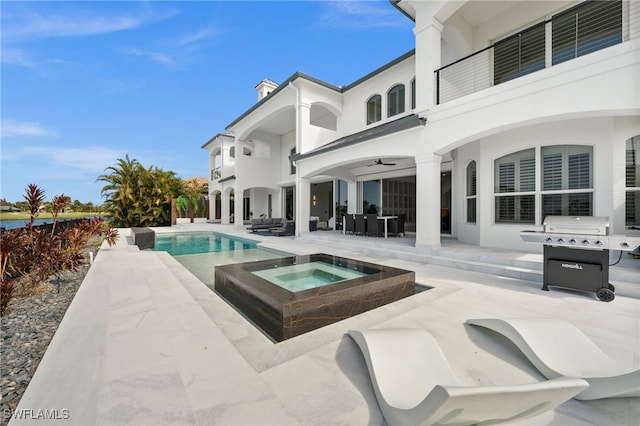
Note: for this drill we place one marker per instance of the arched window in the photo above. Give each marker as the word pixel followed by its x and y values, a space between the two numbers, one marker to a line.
pixel 374 109
pixel 514 187
pixel 471 192
pixel 395 100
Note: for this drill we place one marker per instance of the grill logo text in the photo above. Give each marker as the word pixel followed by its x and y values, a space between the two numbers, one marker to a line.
pixel 571 266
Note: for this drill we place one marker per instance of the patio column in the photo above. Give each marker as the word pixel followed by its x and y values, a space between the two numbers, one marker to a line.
pixel 238 208
pixel 428 34
pixel 303 210
pixel 224 208
pixel 352 197
pixel 428 200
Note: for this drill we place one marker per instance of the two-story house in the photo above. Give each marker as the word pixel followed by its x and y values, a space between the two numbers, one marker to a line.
pixel 505 112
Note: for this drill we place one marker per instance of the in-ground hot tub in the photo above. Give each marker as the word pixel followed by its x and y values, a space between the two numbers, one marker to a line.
pixel 290 296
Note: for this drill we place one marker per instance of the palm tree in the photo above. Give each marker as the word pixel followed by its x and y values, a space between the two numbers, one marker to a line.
pixel 137 196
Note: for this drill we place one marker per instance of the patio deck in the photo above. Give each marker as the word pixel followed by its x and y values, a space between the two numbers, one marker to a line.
pixel 145 342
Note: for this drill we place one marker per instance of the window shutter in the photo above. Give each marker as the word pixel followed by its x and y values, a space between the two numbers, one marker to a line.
pixel 506 177
pixel 552 172
pixel 527 174
pixel 579 176
pixel 590 26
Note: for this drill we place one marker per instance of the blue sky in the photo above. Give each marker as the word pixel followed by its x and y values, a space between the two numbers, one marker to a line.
pixel 86 83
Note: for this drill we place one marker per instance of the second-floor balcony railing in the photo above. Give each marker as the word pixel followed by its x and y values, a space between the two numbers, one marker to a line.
pixel 216 173
pixel 590 26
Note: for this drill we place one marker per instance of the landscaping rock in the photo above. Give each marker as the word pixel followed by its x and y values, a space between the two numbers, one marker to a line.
pixel 26 332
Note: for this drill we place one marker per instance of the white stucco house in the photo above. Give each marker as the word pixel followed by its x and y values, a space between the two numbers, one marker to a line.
pixel 504 112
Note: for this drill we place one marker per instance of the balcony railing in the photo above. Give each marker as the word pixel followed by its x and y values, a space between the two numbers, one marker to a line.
pixel 216 173
pixel 585 28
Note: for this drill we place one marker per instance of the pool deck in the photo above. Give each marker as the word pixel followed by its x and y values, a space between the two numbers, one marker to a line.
pixel 145 342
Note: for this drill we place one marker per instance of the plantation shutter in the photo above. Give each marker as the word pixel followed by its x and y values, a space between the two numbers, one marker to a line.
pixel 507 177
pixel 590 26
pixel 579 171
pixel 552 172
pixel 527 174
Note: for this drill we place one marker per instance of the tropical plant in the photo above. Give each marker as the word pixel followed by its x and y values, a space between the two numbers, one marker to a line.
pixel 58 204
pixel 193 188
pixel 182 205
pixel 139 196
pixel 34 197
pixel 30 257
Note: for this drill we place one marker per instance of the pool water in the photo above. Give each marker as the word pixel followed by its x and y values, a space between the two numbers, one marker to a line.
pixel 185 243
pixel 308 275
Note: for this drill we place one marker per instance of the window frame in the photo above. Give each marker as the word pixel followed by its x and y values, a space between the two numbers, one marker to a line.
pixel 396 100
pixel 632 190
pixel 471 193
pixel 375 115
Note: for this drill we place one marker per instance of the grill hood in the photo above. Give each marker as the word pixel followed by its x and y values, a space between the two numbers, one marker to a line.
pixel 584 225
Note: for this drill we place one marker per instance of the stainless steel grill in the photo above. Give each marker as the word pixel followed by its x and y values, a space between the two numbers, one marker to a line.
pixel 576 252
pixel 586 232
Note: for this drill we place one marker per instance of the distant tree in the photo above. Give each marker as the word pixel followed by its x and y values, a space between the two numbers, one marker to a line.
pixel 139 196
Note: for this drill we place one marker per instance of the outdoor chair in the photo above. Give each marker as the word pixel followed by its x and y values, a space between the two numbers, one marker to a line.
pixel 375 227
pixel 396 226
pixel 414 384
pixel 349 224
pixel 558 348
pixel 360 224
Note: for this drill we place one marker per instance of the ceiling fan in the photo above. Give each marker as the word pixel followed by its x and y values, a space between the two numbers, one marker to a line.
pixel 379 162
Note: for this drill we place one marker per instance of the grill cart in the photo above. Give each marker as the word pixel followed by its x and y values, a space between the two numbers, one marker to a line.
pixel 576 252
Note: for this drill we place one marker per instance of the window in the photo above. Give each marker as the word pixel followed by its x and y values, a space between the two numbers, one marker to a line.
pixel 395 100
pixel 471 192
pixel 519 54
pixel 292 166
pixel 632 182
pixel 567 180
pixel 515 187
pixel 413 94
pixel 374 109
pixel 586 28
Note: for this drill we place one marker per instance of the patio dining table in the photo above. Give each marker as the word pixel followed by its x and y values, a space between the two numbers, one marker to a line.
pixel 385 218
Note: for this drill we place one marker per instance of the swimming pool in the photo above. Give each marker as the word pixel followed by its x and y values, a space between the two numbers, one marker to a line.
pixel 200 252
pixel 185 243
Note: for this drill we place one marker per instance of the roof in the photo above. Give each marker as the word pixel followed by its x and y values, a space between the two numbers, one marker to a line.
pixel 339 89
pixel 216 137
pixel 395 126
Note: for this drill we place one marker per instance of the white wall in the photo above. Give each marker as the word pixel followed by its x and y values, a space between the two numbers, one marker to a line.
pixel 606 135
pixel 354 117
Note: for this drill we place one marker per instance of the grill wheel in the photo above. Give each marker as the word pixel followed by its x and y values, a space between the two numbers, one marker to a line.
pixel 605 294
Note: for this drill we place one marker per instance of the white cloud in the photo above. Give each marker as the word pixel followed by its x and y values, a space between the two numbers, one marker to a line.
pixel 92 159
pixel 158 57
pixel 361 14
pixel 19 25
pixel 13 56
pixel 13 128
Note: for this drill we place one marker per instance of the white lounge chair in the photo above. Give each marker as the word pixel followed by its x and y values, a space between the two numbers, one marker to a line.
pixel 414 384
pixel 557 348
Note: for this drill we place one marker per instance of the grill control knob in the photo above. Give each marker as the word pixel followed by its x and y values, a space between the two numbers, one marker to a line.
pixel 560 240
pixel 572 241
pixel 624 244
pixel 585 242
pixel 599 243
pixel 549 239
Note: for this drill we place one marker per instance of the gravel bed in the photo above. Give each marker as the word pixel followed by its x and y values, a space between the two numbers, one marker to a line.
pixel 26 332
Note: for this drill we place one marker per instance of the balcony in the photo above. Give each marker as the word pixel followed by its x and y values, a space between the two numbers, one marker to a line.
pixel 583 29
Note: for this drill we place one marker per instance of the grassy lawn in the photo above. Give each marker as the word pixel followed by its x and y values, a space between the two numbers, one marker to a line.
pixel 47 215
